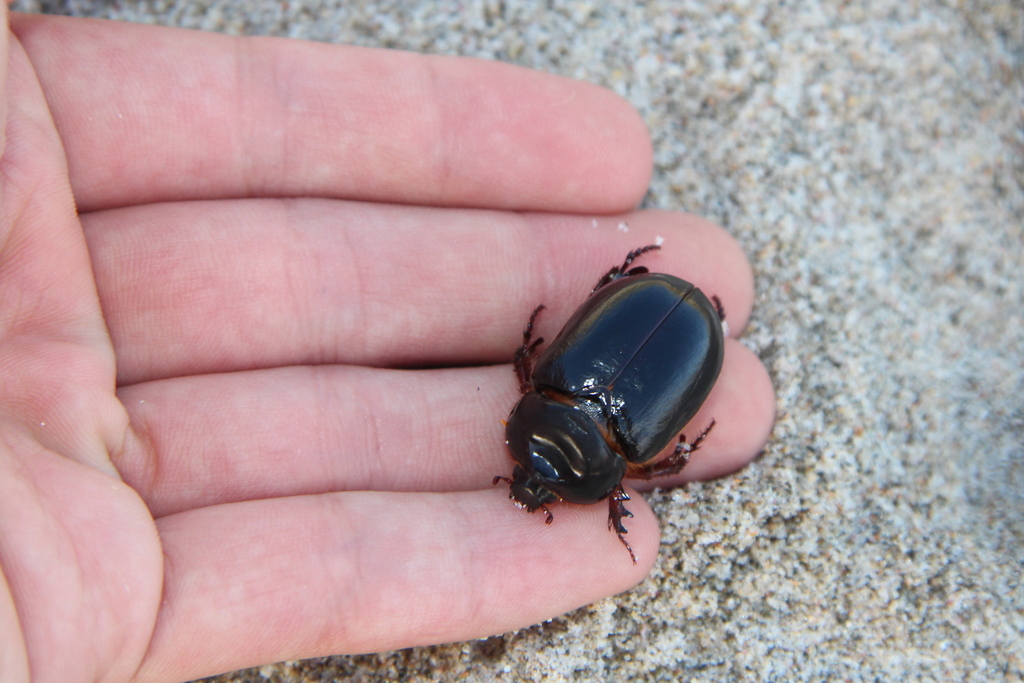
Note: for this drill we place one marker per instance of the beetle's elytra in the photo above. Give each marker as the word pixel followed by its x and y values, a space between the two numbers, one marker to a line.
pixel 630 368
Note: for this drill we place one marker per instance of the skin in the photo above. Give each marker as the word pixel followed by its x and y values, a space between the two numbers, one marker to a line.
pixel 216 449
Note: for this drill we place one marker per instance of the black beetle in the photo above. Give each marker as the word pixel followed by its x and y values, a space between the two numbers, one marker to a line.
pixel 630 368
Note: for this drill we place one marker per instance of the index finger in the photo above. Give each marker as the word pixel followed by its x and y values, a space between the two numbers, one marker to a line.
pixel 152 114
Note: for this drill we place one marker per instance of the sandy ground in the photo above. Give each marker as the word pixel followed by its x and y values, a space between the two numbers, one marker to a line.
pixel 869 156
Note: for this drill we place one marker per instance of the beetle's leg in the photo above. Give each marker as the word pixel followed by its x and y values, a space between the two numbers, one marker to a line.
pixel 624 270
pixel 719 308
pixel 522 361
pixel 616 511
pixel 674 463
pixel 721 313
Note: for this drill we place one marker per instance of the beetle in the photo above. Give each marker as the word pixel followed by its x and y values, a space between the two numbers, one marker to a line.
pixel 627 372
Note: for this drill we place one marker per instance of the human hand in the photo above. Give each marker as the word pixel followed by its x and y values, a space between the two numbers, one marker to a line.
pixel 211 455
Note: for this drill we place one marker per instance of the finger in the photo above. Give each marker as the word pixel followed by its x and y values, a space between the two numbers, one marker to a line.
pixel 208 440
pixel 199 287
pixel 368 572
pixel 151 114
pixel 215 439
pixel 3 76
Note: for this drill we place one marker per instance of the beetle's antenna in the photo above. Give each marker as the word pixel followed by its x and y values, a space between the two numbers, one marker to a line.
pixel 547 512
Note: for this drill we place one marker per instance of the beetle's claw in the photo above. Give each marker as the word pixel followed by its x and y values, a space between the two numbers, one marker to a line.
pixel 719 308
pixel 628 549
pixel 695 444
pixel 626 543
pixel 616 511
pixel 615 523
pixel 624 270
pixel 522 360
pixel 675 462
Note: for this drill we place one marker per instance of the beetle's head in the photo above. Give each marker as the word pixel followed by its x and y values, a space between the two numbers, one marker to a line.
pixel 560 454
pixel 528 491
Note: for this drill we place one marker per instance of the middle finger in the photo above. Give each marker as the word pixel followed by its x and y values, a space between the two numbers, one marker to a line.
pixel 199 287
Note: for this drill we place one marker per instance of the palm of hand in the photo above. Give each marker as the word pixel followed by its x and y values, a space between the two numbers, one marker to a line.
pixel 81 551
pixel 168 459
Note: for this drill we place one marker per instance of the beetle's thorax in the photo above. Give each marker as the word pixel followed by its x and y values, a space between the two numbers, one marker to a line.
pixel 560 450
